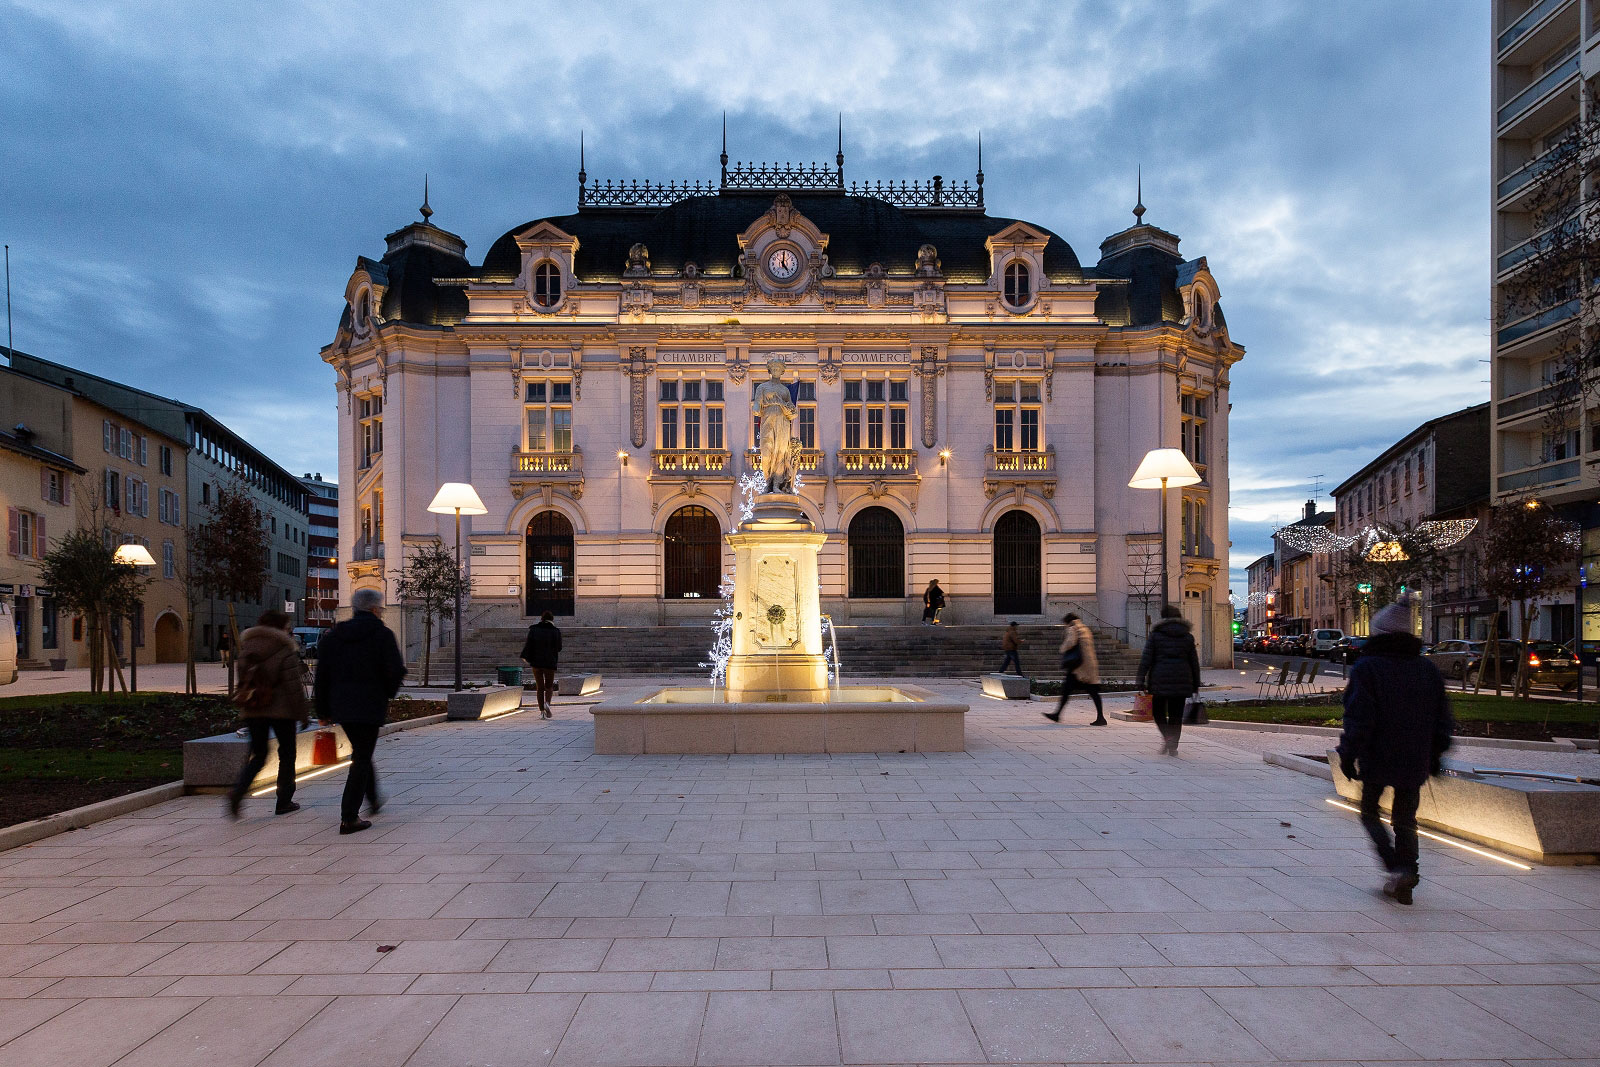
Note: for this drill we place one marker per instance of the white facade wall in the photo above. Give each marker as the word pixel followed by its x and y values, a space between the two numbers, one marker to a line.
pixel 454 411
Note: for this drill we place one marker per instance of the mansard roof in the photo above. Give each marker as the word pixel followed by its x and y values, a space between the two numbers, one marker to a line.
pixel 861 230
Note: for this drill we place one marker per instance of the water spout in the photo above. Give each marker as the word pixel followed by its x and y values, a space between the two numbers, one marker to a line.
pixel 833 644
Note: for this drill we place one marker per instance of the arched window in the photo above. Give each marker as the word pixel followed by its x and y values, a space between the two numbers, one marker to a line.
pixel 1019 283
pixel 550 576
pixel 1018 577
pixel 877 554
pixel 693 552
pixel 547 285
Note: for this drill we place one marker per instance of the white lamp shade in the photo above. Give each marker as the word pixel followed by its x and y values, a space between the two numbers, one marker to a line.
pixel 1167 465
pixel 134 556
pixel 457 496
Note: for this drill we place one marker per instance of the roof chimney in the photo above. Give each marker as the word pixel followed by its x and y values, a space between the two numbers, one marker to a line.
pixel 1311 509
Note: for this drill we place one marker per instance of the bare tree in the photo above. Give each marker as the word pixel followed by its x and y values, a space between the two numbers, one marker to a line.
pixel 84 577
pixel 228 554
pixel 430 581
pixel 1526 553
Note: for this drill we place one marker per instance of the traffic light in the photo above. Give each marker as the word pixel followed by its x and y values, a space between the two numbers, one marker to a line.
pixel 1236 626
pixel 1364 587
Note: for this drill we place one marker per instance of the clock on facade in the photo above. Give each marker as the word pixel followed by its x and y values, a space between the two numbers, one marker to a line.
pixel 783 264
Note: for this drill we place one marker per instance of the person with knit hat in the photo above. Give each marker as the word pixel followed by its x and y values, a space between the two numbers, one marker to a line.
pixel 1397 726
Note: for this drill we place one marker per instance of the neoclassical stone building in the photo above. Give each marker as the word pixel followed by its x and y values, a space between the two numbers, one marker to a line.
pixel 972 402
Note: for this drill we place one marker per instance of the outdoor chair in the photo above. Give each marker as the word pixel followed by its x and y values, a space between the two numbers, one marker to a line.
pixel 1267 680
pixel 1286 686
pixel 1308 684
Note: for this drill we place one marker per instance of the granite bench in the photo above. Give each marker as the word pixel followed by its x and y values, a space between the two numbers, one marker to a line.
pixel 1007 686
pixel 577 685
pixel 484 703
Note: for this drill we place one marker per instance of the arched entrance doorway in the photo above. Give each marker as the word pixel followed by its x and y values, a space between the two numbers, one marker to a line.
pixel 1018 578
pixel 693 551
pixel 877 554
pixel 169 639
pixel 549 550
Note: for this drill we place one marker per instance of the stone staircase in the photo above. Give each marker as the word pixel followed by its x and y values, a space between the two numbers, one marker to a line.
pixel 865 651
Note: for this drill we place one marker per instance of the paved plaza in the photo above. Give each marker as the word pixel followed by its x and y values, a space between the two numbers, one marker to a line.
pixel 1053 895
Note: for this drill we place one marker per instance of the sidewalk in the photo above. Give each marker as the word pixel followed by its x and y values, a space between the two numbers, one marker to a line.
pixel 153 677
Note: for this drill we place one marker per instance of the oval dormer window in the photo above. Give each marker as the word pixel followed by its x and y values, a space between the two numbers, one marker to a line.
pixel 547 285
pixel 358 308
pixel 1019 284
pixel 1202 311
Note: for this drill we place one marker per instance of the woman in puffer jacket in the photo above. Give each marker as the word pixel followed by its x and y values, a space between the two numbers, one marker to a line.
pixel 271 695
pixel 1169 670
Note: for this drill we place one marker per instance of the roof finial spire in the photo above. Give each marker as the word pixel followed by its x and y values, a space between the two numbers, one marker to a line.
pixel 582 173
pixel 724 147
pixel 427 212
pixel 980 159
pixel 840 157
pixel 1138 207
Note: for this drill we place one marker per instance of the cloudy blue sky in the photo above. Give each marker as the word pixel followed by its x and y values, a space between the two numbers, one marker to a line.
pixel 186 185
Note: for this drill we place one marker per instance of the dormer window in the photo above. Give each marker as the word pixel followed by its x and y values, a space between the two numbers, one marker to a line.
pixel 1019 284
pixel 547 285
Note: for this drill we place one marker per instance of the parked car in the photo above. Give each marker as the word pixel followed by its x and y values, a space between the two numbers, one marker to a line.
pixel 1548 664
pixel 1453 657
pixel 308 636
pixel 1346 650
pixel 1323 640
pixel 1238 644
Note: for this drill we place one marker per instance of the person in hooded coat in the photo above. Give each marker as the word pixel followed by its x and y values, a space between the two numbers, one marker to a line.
pixel 542 651
pixel 359 670
pixel 1397 727
pixel 1169 670
pixel 269 661
pixel 932 603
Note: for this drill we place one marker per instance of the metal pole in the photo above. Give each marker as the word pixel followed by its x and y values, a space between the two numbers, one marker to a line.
pixel 1577 636
pixel 133 657
pixel 9 349
pixel 458 599
pixel 1165 595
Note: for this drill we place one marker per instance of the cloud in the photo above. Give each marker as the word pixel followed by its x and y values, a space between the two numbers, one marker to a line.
pixel 188 185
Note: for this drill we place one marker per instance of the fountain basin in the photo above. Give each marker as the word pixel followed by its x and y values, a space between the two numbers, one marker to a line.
pixel 675 720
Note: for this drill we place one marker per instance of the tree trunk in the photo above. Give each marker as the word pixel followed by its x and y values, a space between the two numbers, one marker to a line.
pixel 191 684
pixel 427 644
pixel 116 664
pixel 92 635
pixel 233 644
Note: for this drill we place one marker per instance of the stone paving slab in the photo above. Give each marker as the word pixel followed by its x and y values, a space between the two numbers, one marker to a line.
pixel 1056 894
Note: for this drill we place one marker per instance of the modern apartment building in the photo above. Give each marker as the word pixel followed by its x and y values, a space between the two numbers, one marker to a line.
pixel 322 552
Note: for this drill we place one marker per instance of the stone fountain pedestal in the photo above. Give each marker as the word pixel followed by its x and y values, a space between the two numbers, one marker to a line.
pixel 777 621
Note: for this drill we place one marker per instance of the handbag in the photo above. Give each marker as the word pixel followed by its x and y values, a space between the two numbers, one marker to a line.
pixel 1195 713
pixel 1072 658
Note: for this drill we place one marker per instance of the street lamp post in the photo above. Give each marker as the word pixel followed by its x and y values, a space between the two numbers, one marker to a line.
pixel 133 556
pixel 1161 468
pixel 461 499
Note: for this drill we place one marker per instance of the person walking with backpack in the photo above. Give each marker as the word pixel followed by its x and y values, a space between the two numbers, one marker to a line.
pixel 1169 670
pixel 541 651
pixel 271 697
pixel 1081 669
pixel 932 603
pixel 1011 643
pixel 1397 727
pixel 359 670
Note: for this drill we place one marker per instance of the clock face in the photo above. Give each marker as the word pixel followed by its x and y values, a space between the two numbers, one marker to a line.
pixel 783 264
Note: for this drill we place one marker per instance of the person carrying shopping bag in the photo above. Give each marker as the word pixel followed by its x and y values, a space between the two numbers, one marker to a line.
pixel 1169 670
pixel 1080 669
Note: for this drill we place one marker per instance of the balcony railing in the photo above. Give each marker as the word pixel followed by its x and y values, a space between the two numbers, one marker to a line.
pixel 1533 401
pixel 1022 464
pixel 810 459
pixel 1543 474
pixel 367 550
pixel 547 463
pixel 871 462
pixel 1530 18
pixel 1520 103
pixel 1558 156
pixel 1199 546
pixel 1534 323
pixel 699 461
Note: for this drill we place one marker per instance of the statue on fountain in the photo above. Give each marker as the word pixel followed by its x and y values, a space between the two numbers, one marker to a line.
pixel 779 451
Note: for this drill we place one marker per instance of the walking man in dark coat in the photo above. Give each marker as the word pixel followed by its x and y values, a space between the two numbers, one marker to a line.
pixel 1169 670
pixel 1397 726
pixel 542 651
pixel 359 669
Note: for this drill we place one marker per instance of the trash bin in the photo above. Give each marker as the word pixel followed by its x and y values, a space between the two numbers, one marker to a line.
pixel 509 675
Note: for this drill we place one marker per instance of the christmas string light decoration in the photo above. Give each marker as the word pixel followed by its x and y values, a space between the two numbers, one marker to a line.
pixel 1313 539
pixel 1443 533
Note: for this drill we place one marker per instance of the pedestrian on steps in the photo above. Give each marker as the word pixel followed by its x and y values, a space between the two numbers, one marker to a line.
pixel 359 671
pixel 1011 643
pixel 1397 727
pixel 932 603
pixel 1169 670
pixel 541 651
pixel 271 696
pixel 1080 669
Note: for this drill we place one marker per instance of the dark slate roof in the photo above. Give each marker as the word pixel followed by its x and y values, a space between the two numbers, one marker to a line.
pixel 12 442
pixel 413 296
pixel 1151 295
pixel 861 230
